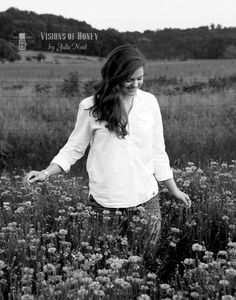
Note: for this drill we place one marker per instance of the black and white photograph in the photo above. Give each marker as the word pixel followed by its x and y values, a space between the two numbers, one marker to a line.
pixel 118 150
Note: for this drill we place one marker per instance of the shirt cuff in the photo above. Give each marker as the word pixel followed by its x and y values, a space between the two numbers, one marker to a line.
pixel 60 161
pixel 164 175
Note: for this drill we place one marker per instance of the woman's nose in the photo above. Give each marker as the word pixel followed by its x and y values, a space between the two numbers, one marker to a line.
pixel 135 83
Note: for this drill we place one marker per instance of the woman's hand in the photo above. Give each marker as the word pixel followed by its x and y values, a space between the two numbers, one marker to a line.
pixel 183 197
pixel 175 191
pixel 34 176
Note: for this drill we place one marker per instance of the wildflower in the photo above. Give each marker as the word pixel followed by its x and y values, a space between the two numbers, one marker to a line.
pixel 224 282
pixel 186 183
pixel 199 171
pixel 106 212
pixel 27 297
pixel 197 247
pixel 209 253
pixel 188 170
pixel 232 226
pixel 232 252
pixel 164 286
pixel 179 180
pixel 49 268
pixel 68 199
pixel 230 273
pixel 224 165
pixel 135 219
pixel 151 275
pixel 99 293
pixel 189 261
pixel 116 265
pixel 19 210
pixel 82 292
pixel 225 218
pixel 172 244
pixel 213 163
pixel 63 232
pixel 203 266
pixel 222 253
pixel 175 230
pixel 141 209
pixel 103 279
pixel 52 250
pixel 134 259
pixel 28 270
pixel 103 272
pixel 144 221
pixel 194 295
pixel 124 241
pixel 118 213
pixel 232 245
pixel 143 297
pixel 227 297
pixel 124 284
pixel 144 288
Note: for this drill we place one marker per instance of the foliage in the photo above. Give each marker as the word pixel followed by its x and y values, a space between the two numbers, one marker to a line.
pixel 230 52
pixel 7 52
pixel 40 57
pixel 205 42
pixel 71 86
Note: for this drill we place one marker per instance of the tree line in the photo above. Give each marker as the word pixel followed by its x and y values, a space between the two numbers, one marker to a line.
pixel 205 42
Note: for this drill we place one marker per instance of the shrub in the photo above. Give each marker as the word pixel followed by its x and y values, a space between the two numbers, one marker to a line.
pixel 40 57
pixel 71 86
pixel 7 52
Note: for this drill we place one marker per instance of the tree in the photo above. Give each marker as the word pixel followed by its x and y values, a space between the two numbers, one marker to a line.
pixel 230 52
pixel 8 52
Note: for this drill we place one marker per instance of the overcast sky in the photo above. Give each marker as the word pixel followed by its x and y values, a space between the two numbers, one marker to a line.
pixel 132 15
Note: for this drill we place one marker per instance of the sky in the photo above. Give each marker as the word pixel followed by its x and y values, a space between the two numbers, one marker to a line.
pixel 136 15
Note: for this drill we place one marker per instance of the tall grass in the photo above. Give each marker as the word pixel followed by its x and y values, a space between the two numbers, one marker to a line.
pixel 89 68
pixel 36 121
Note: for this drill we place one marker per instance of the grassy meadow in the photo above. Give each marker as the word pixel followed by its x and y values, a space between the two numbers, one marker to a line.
pixel 199 118
pixel 53 246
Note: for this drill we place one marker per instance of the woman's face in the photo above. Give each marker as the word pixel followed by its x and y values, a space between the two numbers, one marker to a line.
pixel 130 85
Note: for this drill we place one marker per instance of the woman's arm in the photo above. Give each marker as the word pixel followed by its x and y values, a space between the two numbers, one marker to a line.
pixel 73 150
pixel 33 176
pixel 174 190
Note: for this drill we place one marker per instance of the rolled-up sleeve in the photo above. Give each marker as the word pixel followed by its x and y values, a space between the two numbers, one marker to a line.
pixel 162 169
pixel 77 142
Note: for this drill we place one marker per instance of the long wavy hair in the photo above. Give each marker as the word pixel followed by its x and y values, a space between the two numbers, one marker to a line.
pixel 121 63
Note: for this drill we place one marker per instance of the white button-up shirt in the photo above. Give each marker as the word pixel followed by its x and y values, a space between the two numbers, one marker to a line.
pixel 122 172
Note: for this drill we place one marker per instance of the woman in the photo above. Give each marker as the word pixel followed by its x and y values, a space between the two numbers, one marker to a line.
pixel 127 154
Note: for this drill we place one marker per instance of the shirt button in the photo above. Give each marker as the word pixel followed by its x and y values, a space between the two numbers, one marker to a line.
pixel 153 193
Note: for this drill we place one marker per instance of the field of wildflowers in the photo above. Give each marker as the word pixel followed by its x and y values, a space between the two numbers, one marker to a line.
pixel 53 246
